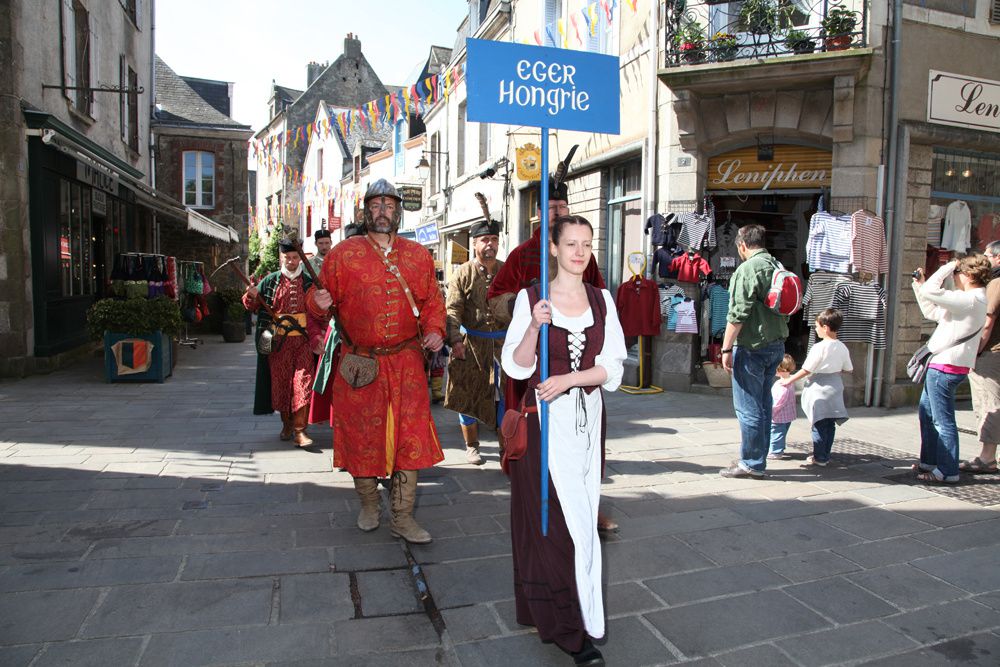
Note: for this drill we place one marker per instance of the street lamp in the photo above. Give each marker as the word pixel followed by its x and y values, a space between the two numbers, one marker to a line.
pixel 424 167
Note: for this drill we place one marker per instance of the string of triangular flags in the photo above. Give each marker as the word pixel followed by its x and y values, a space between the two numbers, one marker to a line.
pixel 596 16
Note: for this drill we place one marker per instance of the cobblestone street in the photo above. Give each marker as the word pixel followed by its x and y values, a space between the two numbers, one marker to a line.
pixel 147 524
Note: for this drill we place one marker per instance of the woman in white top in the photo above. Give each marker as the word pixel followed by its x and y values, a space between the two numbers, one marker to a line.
pixel 557 578
pixel 960 314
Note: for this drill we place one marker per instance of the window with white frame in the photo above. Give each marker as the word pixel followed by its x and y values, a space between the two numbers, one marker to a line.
pixel 199 179
pixel 460 141
pixel 484 142
pixel 133 9
pixel 319 164
pixel 128 109
pixel 552 14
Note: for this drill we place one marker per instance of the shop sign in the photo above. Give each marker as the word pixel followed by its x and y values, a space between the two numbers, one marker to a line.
pixel 97 178
pixel 335 223
pixel 99 202
pixel 457 253
pixel 413 197
pixel 791 168
pixel 963 101
pixel 520 84
pixel 427 234
pixel 529 162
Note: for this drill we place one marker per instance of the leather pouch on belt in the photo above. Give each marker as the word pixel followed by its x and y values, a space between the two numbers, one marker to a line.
pixel 358 370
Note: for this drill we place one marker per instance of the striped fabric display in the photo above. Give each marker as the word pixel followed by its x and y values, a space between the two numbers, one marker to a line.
pixel 868 253
pixel 686 318
pixel 675 300
pixel 818 297
pixel 829 245
pixel 863 306
pixel 698 229
pixel 667 291
pixel 718 297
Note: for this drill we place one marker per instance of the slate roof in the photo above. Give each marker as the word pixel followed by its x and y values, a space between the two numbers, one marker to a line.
pixel 215 93
pixel 179 104
pixel 285 92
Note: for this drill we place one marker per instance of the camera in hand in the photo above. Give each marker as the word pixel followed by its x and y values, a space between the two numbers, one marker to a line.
pixel 917 273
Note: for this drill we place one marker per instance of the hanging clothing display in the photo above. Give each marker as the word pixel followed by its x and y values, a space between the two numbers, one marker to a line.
pixel 638 302
pixel 690 267
pixel 698 229
pixel 725 258
pixel 868 252
pixel 863 306
pixel 666 292
pixel 829 245
pixel 718 297
pixel 675 300
pixel 686 321
pixel 820 290
pixel 957 233
pixel 662 230
pixel 662 259
pixel 935 222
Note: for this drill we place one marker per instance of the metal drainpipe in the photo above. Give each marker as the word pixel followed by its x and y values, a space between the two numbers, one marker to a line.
pixel 652 131
pixel 894 196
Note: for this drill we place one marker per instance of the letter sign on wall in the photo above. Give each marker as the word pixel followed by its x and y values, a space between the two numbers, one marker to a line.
pixel 518 84
pixel 792 168
pixel 963 101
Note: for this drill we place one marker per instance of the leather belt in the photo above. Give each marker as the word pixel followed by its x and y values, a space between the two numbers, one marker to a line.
pixel 411 344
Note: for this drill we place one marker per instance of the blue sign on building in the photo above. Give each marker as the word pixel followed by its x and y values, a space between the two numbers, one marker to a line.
pixel 428 233
pixel 538 86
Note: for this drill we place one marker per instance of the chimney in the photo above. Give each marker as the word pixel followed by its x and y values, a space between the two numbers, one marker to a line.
pixel 352 46
pixel 313 70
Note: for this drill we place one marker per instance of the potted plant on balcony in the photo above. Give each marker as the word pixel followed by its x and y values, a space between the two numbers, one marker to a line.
pixel 724 46
pixel 690 42
pixel 137 336
pixel 838 26
pixel 233 315
pixel 760 17
pixel 798 41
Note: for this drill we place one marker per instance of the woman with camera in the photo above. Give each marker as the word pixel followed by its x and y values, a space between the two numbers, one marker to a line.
pixel 960 314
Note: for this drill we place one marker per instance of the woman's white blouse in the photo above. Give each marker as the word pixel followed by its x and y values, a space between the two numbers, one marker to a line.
pixel 610 358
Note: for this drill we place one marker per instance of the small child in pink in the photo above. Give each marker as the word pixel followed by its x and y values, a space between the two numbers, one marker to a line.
pixel 782 410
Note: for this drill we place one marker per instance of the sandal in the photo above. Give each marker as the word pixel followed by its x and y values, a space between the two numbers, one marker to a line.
pixel 931 478
pixel 978 467
pixel 921 467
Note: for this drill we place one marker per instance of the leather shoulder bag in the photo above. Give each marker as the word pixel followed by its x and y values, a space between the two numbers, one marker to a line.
pixel 916 367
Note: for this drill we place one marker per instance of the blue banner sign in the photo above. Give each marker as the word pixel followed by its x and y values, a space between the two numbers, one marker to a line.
pixel 427 233
pixel 537 86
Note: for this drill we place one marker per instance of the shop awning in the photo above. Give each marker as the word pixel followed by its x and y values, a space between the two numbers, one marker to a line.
pixel 199 223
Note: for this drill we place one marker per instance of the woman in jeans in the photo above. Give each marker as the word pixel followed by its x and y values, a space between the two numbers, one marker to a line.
pixel 960 314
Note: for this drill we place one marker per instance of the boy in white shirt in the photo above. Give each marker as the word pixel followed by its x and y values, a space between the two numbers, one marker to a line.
pixel 823 395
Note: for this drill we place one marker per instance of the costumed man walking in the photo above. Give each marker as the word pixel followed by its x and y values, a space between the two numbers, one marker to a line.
pixel 475 338
pixel 285 376
pixel 382 291
pixel 521 270
pixel 323 245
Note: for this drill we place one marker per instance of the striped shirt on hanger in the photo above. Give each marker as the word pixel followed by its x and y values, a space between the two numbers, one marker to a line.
pixel 829 244
pixel 819 295
pixel 698 229
pixel 868 254
pixel 863 306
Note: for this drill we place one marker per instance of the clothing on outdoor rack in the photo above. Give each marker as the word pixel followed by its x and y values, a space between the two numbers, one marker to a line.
pixel 690 267
pixel 686 320
pixel 863 306
pixel 718 297
pixel 662 259
pixel 638 302
pixel 662 230
pixel 675 300
pixel 725 257
pixel 868 252
pixel 828 247
pixel 698 229
pixel 667 291
pixel 820 290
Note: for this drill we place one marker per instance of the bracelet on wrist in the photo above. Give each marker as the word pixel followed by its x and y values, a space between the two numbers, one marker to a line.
pixel 727 351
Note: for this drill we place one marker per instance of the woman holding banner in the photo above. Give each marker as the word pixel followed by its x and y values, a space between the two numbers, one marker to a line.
pixel 557 578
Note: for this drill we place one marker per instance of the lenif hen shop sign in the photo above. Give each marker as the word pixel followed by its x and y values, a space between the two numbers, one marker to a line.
pixel 538 86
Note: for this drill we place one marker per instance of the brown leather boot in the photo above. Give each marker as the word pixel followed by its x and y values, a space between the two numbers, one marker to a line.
pixel 367 489
pixel 471 436
pixel 299 422
pixel 286 426
pixel 404 496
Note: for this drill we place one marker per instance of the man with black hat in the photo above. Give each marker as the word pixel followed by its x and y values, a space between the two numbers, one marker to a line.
pixel 522 269
pixel 323 245
pixel 382 290
pixel 475 338
pixel 285 376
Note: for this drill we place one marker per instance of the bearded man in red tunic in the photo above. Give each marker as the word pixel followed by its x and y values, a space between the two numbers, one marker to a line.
pixel 382 290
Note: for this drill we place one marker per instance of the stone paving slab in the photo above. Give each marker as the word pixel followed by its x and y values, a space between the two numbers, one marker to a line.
pixel 207 541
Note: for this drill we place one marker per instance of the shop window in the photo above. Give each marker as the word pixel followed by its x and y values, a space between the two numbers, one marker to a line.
pixel 965 200
pixel 77 265
pixel 199 179
pixel 624 220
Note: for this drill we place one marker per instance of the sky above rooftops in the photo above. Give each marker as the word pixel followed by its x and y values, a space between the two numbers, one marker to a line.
pixel 251 42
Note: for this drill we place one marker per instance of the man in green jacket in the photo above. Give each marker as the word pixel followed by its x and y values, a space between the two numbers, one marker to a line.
pixel 752 348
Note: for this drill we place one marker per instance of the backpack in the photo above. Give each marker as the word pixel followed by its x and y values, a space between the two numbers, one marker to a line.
pixel 785 295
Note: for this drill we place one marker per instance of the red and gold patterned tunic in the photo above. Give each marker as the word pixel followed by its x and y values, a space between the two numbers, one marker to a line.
pixel 292 365
pixel 386 425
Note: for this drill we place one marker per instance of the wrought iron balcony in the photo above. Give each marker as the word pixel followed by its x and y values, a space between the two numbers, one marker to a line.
pixel 714 31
